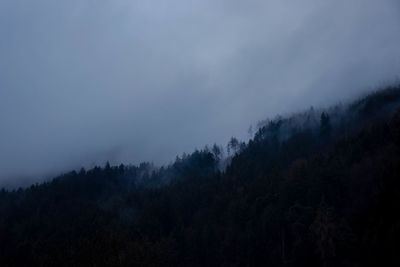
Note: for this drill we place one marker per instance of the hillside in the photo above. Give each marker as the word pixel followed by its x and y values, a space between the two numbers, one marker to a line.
pixel 318 188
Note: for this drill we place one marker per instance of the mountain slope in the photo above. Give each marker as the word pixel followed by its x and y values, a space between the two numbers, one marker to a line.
pixel 319 188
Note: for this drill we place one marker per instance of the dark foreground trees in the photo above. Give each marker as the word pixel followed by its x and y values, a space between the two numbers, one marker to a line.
pixel 325 193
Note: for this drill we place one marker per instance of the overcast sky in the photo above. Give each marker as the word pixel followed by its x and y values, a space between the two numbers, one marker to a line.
pixel 85 81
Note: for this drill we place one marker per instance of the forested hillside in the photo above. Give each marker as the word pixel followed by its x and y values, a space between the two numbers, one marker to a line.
pixel 318 188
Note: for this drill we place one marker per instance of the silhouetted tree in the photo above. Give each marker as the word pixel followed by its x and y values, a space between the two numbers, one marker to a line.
pixel 325 125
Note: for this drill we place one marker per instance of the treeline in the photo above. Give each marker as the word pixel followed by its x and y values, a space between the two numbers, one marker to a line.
pixel 319 188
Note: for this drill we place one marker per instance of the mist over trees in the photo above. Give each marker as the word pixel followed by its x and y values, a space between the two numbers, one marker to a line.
pixel 318 188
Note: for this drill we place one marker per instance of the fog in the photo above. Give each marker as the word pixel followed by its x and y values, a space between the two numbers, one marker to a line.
pixel 86 81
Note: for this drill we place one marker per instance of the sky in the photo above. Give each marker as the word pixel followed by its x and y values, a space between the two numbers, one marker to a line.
pixel 86 81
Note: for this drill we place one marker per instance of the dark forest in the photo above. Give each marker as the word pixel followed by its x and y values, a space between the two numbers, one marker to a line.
pixel 316 188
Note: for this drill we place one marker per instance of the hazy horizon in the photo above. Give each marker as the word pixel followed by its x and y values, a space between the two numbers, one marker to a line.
pixel 84 82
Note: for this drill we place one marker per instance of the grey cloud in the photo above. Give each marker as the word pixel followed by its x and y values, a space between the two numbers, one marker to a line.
pixel 86 81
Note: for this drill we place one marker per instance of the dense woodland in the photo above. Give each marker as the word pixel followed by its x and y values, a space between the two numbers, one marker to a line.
pixel 318 188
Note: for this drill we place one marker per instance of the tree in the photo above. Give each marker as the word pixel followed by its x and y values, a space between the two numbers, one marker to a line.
pixel 323 230
pixel 325 125
pixel 217 151
pixel 233 145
